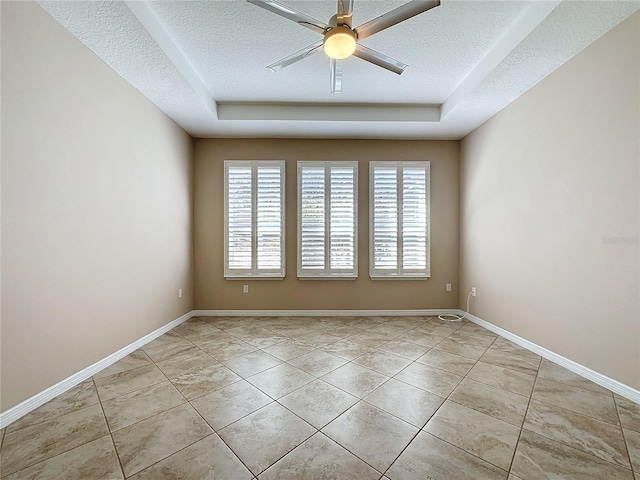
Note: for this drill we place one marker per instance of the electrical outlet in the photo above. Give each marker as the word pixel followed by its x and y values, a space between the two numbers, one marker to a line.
pixel 179 293
pixel 245 289
pixel 473 291
pixel 448 287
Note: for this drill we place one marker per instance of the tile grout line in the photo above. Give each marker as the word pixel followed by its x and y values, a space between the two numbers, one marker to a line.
pixel 624 438
pixel 109 429
pixel 524 419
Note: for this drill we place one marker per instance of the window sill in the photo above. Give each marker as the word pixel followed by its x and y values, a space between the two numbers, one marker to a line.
pixel 399 277
pixel 254 277
pixel 327 277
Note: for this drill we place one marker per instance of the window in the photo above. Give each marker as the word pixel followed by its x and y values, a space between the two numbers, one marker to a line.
pixel 399 219
pixel 327 219
pixel 254 219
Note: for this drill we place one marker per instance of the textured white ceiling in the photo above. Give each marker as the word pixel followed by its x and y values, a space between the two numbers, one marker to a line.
pixel 227 45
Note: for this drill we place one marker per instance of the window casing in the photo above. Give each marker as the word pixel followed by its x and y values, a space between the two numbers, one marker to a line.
pixel 254 209
pixel 399 230
pixel 328 220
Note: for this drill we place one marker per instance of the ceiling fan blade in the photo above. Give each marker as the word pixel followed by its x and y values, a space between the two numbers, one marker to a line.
pixel 379 59
pixel 336 76
pixel 299 55
pixel 291 14
pixel 395 16
pixel 345 12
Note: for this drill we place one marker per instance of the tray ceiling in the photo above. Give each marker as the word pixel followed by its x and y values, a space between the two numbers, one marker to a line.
pixel 203 62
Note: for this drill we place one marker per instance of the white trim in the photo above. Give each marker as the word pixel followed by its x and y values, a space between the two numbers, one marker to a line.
pixel 320 313
pixel 14 413
pixel 602 380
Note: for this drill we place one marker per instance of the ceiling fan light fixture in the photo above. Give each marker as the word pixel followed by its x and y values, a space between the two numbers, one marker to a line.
pixel 340 42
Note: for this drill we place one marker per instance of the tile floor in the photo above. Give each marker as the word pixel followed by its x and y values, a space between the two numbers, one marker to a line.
pixel 349 398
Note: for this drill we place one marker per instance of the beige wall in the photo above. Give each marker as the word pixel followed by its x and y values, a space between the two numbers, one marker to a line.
pixel 96 208
pixel 545 185
pixel 212 291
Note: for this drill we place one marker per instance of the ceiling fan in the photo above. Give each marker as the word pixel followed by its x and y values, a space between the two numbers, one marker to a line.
pixel 341 40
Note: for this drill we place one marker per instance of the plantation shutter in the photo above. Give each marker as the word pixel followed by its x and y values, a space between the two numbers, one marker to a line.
pixel 254 219
pixel 399 230
pixel 327 223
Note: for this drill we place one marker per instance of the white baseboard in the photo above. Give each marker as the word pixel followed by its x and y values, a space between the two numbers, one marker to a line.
pixel 319 313
pixel 14 413
pixel 602 380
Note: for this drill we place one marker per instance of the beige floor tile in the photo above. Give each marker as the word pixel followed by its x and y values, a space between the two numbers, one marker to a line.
pixel 293 330
pixel 539 458
pixel 128 381
pixel 317 363
pixel 369 339
pixel 552 371
pixel 345 331
pixel 389 331
pixel 468 350
pixel 430 379
pixel 633 446
pixel 289 349
pixel 492 401
pixel 135 359
pixel 446 361
pixel 508 346
pixel 318 402
pixel 244 332
pixel 265 340
pixel 438 329
pixel 168 338
pixel 164 352
pixel 421 338
pixel 584 433
pixel 95 459
pixel 280 380
pixel 512 361
pixel 382 362
pixel 465 336
pixel 80 396
pixel 320 458
pixel 486 437
pixel 188 362
pixel 346 349
pixel 473 328
pixel 206 459
pixel 629 413
pixel 576 399
pixel 372 434
pixel 318 338
pixel 503 378
pixel 45 440
pixel 252 363
pixel 227 349
pixel 149 441
pixel 212 339
pixel 231 403
pixel 196 384
pixel 355 379
pixel 262 438
pixel 411 404
pixel 404 349
pixel 132 407
pixel 428 457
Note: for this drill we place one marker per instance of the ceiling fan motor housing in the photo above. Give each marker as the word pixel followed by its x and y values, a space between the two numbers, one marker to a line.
pixel 340 42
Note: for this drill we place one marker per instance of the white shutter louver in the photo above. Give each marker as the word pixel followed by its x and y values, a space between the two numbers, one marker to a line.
pixel 254 219
pixel 327 219
pixel 399 223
